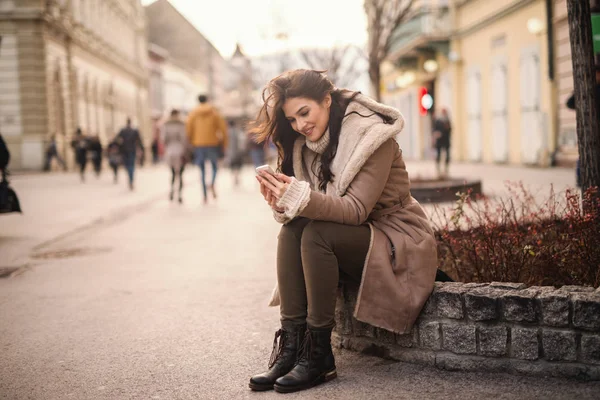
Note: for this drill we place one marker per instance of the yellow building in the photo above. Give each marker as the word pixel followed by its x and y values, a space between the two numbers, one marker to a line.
pixel 493 78
pixel 506 105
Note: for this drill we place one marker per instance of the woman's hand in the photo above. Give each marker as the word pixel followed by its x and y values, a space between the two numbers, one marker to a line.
pixel 268 195
pixel 276 185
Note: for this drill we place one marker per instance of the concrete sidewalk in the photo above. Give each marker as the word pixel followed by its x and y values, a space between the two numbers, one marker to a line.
pixel 58 204
pixel 170 303
pixel 494 176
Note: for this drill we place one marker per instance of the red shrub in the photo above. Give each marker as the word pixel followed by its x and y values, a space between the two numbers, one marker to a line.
pixel 517 239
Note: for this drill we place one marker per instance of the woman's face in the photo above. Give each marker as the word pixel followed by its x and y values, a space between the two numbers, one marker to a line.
pixel 308 117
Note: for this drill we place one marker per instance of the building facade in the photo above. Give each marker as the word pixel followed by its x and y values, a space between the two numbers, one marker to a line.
pixel 422 40
pixel 504 90
pixel 192 64
pixel 66 64
pixel 491 65
pixel 171 86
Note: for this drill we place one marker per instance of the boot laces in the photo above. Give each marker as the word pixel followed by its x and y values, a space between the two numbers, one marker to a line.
pixel 277 352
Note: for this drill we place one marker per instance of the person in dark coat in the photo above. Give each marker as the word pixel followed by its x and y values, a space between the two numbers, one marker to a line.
pixel 4 155
pixel 442 130
pixel 9 202
pixel 52 152
pixel 130 141
pixel 95 148
pixel 80 146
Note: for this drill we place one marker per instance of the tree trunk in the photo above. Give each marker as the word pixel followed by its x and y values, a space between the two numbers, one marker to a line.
pixel 375 78
pixel 580 31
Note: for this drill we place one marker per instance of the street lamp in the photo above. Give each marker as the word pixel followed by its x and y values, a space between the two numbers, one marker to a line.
pixel 430 66
pixel 535 26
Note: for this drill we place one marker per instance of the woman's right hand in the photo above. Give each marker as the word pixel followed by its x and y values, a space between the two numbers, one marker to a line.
pixel 269 197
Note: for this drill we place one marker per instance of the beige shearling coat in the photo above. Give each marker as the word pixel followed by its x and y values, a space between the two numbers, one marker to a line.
pixel 371 186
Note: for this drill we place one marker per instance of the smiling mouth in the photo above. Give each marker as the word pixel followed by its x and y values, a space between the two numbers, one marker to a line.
pixel 308 132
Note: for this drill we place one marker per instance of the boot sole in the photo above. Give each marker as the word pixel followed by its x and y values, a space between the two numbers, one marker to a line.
pixel 326 377
pixel 260 388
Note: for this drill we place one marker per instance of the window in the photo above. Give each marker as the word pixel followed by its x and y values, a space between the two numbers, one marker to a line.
pixel 474 113
pixel 499 101
pixel 531 132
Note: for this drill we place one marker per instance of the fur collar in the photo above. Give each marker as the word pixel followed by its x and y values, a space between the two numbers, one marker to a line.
pixel 359 138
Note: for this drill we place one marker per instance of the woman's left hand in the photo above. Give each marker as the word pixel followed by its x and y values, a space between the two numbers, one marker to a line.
pixel 277 186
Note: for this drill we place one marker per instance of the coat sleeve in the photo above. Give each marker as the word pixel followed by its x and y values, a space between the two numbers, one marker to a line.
pixel 354 207
pixel 281 217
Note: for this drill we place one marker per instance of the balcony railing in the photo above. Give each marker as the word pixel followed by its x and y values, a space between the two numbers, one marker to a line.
pixel 426 26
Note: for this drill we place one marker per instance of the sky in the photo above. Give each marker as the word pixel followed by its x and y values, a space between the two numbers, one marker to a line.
pixel 255 24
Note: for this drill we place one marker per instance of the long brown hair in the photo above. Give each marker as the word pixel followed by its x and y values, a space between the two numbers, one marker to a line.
pixel 272 125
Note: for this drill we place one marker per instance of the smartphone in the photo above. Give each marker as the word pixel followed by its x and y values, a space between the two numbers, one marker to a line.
pixel 266 168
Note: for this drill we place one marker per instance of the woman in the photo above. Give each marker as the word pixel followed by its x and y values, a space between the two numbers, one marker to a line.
pixel 343 196
pixel 235 151
pixel 175 140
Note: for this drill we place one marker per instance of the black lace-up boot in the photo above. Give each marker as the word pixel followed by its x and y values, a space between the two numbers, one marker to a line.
pixel 315 364
pixel 283 356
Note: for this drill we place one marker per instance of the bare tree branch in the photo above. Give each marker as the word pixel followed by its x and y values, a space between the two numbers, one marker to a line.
pixel 341 62
pixel 383 18
pixel 401 17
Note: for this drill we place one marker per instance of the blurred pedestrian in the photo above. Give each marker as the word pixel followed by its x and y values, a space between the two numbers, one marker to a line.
pixel 207 133
pixel 9 202
pixel 52 152
pixel 257 151
pixel 115 158
pixel 4 156
pixel 95 148
pixel 130 141
pixel 235 150
pixel 442 130
pixel 154 149
pixel 80 147
pixel 176 145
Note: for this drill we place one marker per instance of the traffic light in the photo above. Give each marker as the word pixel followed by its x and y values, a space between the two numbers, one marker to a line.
pixel 425 101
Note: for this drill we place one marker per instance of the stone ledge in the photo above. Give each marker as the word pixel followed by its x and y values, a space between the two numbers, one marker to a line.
pixel 495 327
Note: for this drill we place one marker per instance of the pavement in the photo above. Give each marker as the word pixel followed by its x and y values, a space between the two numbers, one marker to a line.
pixel 58 204
pixel 125 295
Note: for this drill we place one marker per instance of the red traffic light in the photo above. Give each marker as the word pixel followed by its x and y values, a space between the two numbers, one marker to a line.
pixel 425 101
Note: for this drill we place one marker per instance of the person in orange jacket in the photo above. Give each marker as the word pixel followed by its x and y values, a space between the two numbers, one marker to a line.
pixel 207 134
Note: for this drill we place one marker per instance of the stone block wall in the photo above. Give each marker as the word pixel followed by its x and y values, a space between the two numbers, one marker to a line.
pixel 505 327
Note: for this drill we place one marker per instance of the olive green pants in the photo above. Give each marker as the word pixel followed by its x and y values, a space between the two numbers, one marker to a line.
pixel 310 256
